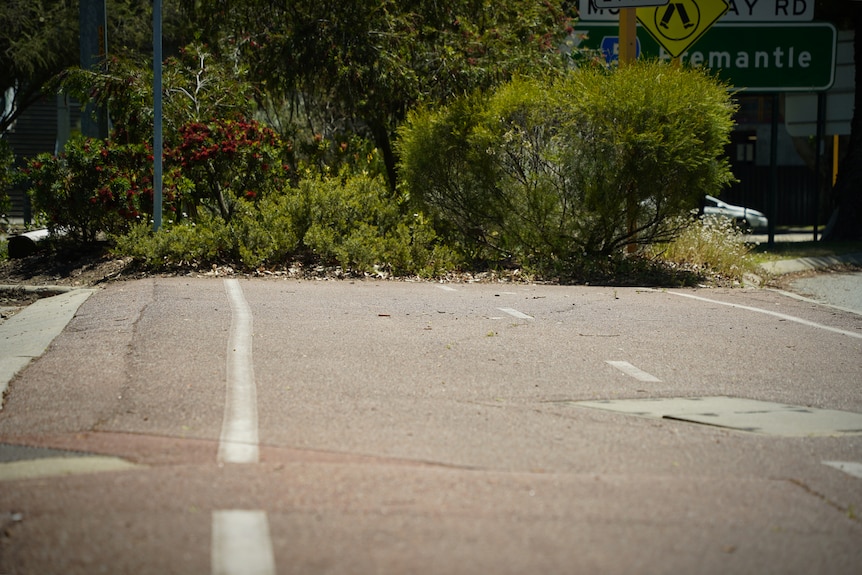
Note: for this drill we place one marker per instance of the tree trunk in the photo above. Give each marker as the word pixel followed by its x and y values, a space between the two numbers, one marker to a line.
pixel 846 220
pixel 382 139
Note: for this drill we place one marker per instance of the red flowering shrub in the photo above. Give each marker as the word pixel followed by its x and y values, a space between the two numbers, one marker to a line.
pixel 101 186
pixel 228 162
pixel 97 186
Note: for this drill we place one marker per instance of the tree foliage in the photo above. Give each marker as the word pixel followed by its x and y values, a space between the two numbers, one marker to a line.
pixel 355 65
pixel 198 86
pixel 39 39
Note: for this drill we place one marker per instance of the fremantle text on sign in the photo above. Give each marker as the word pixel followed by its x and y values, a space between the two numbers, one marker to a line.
pixel 740 11
pixel 680 23
pixel 761 57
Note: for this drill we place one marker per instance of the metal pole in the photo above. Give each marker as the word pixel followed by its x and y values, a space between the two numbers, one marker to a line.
pixel 820 144
pixel 157 115
pixel 628 54
pixel 773 171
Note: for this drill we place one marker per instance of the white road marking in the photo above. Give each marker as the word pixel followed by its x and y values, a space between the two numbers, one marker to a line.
pixel 851 467
pixel 631 370
pixel 445 287
pixel 241 544
pixel 515 313
pixel 239 439
pixel 783 316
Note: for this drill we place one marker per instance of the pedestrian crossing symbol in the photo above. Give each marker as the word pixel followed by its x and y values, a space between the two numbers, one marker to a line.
pixel 680 23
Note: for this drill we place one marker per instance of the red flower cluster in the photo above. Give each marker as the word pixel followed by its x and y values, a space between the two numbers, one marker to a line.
pixel 227 159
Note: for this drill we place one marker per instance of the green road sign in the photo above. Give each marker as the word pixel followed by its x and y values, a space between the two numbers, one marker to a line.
pixel 756 57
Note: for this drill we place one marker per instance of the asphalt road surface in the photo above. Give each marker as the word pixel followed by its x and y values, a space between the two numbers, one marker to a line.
pixel 264 426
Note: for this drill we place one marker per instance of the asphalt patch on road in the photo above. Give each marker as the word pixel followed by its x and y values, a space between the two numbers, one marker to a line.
pixel 741 414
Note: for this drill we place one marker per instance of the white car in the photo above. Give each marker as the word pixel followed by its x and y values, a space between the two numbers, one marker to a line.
pixel 745 217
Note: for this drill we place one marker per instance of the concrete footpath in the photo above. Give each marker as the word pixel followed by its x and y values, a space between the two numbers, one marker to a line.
pixel 28 333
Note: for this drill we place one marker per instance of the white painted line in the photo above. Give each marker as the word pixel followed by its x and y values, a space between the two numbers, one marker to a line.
pixel 851 467
pixel 239 440
pixel 515 313
pixel 783 316
pixel 241 544
pixel 631 370
pixel 445 287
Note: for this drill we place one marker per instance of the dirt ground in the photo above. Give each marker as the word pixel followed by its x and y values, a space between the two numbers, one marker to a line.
pixel 78 268
pixel 21 278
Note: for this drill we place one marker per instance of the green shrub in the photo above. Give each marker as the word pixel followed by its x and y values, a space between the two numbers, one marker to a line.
pixel 551 172
pixel 178 244
pixel 350 220
pixel 354 221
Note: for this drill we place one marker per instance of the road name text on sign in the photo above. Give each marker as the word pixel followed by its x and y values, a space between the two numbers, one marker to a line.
pixel 617 4
pixel 775 11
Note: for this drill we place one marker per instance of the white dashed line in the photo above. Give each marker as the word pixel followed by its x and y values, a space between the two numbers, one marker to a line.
pixel 850 467
pixel 631 370
pixel 445 287
pixel 239 440
pixel 515 313
pixel 783 316
pixel 241 544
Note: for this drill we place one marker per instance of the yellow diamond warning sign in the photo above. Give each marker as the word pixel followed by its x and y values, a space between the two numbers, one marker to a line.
pixel 680 23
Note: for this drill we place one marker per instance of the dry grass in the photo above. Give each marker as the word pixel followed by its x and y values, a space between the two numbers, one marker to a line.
pixel 712 244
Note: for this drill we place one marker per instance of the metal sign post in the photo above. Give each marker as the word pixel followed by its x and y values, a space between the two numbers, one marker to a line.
pixel 157 115
pixel 628 53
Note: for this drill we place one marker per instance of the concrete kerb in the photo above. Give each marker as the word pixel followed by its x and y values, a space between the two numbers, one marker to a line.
pixel 27 334
pixel 781 267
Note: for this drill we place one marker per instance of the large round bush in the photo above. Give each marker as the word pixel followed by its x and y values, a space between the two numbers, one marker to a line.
pixel 555 171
